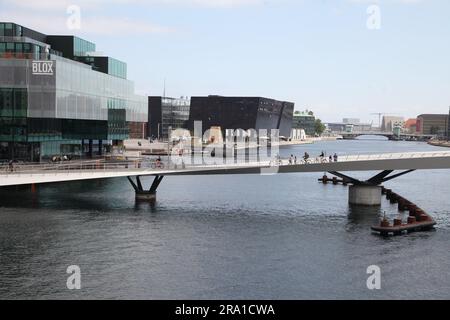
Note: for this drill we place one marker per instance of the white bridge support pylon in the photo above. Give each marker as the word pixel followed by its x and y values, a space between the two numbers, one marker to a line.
pixel 369 192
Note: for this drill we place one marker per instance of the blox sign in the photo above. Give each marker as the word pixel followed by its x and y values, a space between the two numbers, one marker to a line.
pixel 42 68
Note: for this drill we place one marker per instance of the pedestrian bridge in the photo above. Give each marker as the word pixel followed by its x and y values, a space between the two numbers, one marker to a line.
pixel 389 135
pixel 89 170
pixel 353 135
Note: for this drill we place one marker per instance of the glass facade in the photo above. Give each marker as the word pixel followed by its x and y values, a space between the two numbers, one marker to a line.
pixel 175 113
pixel 57 107
pixel 81 46
pixel 305 121
pixel 7 30
pixel 23 50
pixel 86 94
pixel 165 113
pixel 13 113
pixel 117 68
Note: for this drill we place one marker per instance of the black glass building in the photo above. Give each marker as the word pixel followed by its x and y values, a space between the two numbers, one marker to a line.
pixel 58 97
pixel 242 113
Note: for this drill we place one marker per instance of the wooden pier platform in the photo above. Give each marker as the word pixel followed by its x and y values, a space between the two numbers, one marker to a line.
pixel 407 227
pixel 418 219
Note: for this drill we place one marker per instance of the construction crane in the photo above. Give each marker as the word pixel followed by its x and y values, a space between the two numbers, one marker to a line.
pixel 382 114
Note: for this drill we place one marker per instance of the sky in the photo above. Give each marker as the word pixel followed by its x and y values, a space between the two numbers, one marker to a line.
pixel 338 58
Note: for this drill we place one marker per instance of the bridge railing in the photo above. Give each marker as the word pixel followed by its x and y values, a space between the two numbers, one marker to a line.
pixel 145 165
pixel 95 166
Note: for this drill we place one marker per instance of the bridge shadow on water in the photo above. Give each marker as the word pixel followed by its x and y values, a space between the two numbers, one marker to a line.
pixel 93 195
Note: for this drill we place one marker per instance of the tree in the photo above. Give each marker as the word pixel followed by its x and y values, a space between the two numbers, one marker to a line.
pixel 320 127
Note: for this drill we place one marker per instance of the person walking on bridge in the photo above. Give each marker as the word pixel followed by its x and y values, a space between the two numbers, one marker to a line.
pixel 306 157
pixel 291 159
pixel 335 157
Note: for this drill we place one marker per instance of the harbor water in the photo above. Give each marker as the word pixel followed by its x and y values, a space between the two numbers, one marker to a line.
pixel 285 236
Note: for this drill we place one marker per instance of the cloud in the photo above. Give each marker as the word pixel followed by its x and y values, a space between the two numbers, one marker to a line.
pixel 95 25
pixel 386 1
pixel 50 16
pixel 62 4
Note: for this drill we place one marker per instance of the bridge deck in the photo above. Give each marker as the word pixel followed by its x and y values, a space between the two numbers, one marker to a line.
pixel 72 171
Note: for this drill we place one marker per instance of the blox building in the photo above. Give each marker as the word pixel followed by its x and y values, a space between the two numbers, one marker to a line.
pixel 57 96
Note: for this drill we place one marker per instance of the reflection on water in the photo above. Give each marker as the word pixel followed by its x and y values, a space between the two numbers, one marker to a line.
pixel 362 215
pixel 284 236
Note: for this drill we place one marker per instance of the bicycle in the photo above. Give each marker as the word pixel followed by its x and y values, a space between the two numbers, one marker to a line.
pixel 157 165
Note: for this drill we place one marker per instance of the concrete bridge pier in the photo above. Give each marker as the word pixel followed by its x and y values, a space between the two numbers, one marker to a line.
pixel 143 194
pixel 365 195
pixel 369 192
pixel 146 196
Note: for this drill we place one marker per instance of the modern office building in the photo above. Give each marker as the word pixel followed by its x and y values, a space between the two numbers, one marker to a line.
pixel 435 124
pixel 165 113
pixel 340 127
pixel 390 122
pixel 242 113
pixel 305 121
pixel 351 120
pixel 56 99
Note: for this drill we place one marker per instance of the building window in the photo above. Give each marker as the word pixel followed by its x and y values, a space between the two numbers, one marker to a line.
pixel 8 30
pixel 10 47
pixel 19 32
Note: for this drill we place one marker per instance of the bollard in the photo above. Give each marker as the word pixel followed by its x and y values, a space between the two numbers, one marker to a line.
pixel 397 222
pixel 388 194
pixel 385 223
pixel 419 214
pixel 412 209
pixel 411 220
pixel 393 198
pixel 325 179
pixel 335 181
pixel 401 205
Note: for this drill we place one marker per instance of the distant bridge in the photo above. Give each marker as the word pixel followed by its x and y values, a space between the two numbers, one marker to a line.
pixel 387 134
